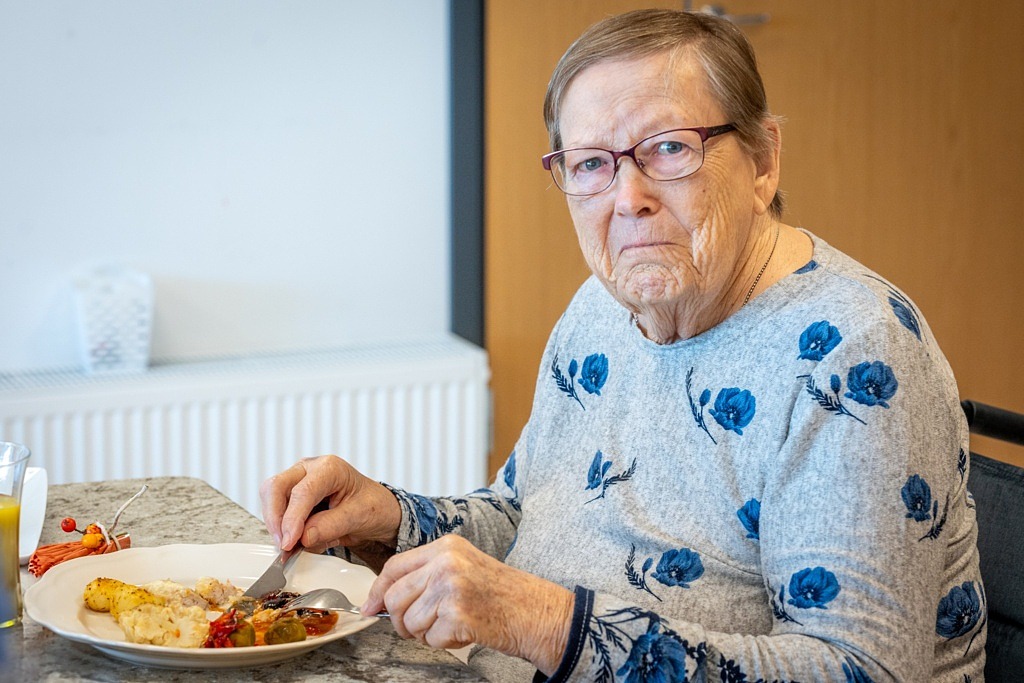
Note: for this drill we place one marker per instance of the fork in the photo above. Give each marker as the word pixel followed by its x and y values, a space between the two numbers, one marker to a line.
pixel 326 599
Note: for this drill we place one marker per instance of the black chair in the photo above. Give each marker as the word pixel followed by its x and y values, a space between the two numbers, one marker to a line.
pixel 998 490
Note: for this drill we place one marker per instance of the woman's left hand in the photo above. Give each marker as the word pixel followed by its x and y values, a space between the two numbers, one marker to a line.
pixel 450 594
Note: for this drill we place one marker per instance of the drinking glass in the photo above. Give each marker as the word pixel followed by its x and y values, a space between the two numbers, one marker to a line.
pixel 13 459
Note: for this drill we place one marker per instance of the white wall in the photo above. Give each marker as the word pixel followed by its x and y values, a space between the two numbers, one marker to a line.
pixel 280 168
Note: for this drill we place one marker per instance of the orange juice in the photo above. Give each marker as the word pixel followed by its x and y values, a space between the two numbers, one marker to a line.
pixel 10 586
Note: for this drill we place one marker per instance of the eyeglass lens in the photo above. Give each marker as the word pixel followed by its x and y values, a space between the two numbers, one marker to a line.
pixel 666 156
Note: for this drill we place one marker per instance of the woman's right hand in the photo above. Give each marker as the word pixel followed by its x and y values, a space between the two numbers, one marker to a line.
pixel 361 510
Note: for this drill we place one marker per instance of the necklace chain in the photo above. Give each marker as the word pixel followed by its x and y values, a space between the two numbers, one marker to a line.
pixel 765 266
pixel 636 321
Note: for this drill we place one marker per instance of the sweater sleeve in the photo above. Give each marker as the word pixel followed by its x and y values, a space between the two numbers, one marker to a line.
pixel 860 508
pixel 488 517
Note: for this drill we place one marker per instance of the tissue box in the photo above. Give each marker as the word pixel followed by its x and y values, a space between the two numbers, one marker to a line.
pixel 115 315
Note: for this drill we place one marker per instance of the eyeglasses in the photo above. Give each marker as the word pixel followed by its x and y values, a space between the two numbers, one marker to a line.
pixel 671 155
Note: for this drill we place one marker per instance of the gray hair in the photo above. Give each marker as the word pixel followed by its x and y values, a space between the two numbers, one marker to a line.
pixel 720 48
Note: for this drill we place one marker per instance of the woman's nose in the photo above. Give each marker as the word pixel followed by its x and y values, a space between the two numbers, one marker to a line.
pixel 634 191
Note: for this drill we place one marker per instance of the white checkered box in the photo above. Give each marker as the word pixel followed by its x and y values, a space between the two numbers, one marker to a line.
pixel 115 316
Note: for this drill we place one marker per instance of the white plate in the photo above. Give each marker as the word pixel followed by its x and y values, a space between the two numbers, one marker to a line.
pixel 33 510
pixel 56 600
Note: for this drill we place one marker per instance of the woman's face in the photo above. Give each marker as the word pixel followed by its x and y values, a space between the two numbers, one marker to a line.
pixel 676 244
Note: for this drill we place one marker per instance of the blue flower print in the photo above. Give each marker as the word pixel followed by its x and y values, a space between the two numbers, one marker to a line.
pixel 855 674
pixel 832 404
pixel 426 514
pixel 566 385
pixel 592 379
pixel 902 308
pixel 818 339
pixel 678 568
pixel 597 470
pixel 813 588
pixel 698 413
pixel 654 658
pixel 958 611
pixel 917 496
pixel 431 520
pixel 596 475
pixel 871 383
pixel 595 373
pixel 734 409
pixel 658 654
pixel 905 314
pixel 779 606
pixel 510 472
pixel 807 267
pixel 750 518
pixel 729 671
pixel 639 579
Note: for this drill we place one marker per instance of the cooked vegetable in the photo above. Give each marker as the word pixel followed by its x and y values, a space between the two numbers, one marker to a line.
pixel 230 630
pixel 111 595
pixel 276 599
pixel 244 634
pixel 285 630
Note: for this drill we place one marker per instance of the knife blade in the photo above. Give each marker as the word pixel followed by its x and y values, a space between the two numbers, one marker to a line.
pixel 273 578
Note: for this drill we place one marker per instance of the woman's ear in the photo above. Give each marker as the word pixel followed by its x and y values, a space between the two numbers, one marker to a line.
pixel 766 182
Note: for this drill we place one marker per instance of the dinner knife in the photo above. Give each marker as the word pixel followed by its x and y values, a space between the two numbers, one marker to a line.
pixel 273 578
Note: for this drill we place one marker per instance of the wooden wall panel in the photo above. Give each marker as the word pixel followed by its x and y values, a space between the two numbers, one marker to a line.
pixel 902 146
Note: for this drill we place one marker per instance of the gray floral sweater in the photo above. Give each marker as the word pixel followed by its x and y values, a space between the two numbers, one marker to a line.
pixel 781 498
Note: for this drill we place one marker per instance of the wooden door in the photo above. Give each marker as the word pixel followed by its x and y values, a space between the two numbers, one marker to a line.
pixel 903 146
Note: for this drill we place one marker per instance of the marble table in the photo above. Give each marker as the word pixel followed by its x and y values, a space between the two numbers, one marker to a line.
pixel 186 510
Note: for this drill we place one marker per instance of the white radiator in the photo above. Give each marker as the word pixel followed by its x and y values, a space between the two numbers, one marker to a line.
pixel 415 415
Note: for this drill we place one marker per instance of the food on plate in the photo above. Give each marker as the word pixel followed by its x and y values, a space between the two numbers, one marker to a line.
pixel 284 630
pixel 174 592
pixel 171 625
pixel 213 614
pixel 111 595
pixel 220 594
pixel 230 630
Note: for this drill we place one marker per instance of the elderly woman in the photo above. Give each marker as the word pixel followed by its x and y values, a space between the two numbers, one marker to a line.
pixel 746 458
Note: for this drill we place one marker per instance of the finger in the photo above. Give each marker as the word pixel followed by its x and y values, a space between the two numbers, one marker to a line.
pixel 394 569
pixel 421 602
pixel 447 634
pixel 274 494
pixel 315 484
pixel 408 601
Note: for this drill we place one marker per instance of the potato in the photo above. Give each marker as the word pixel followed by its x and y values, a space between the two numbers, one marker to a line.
pixel 111 595
pixel 99 592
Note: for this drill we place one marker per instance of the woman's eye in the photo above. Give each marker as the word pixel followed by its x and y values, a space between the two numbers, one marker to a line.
pixel 590 165
pixel 670 147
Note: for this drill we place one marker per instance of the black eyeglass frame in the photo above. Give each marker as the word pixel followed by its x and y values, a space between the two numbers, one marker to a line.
pixel 705 133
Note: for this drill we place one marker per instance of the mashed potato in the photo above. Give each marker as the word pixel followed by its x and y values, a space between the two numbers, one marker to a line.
pixel 220 594
pixel 172 625
pixel 177 594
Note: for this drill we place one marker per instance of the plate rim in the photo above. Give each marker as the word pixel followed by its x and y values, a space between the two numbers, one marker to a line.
pixel 189 658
